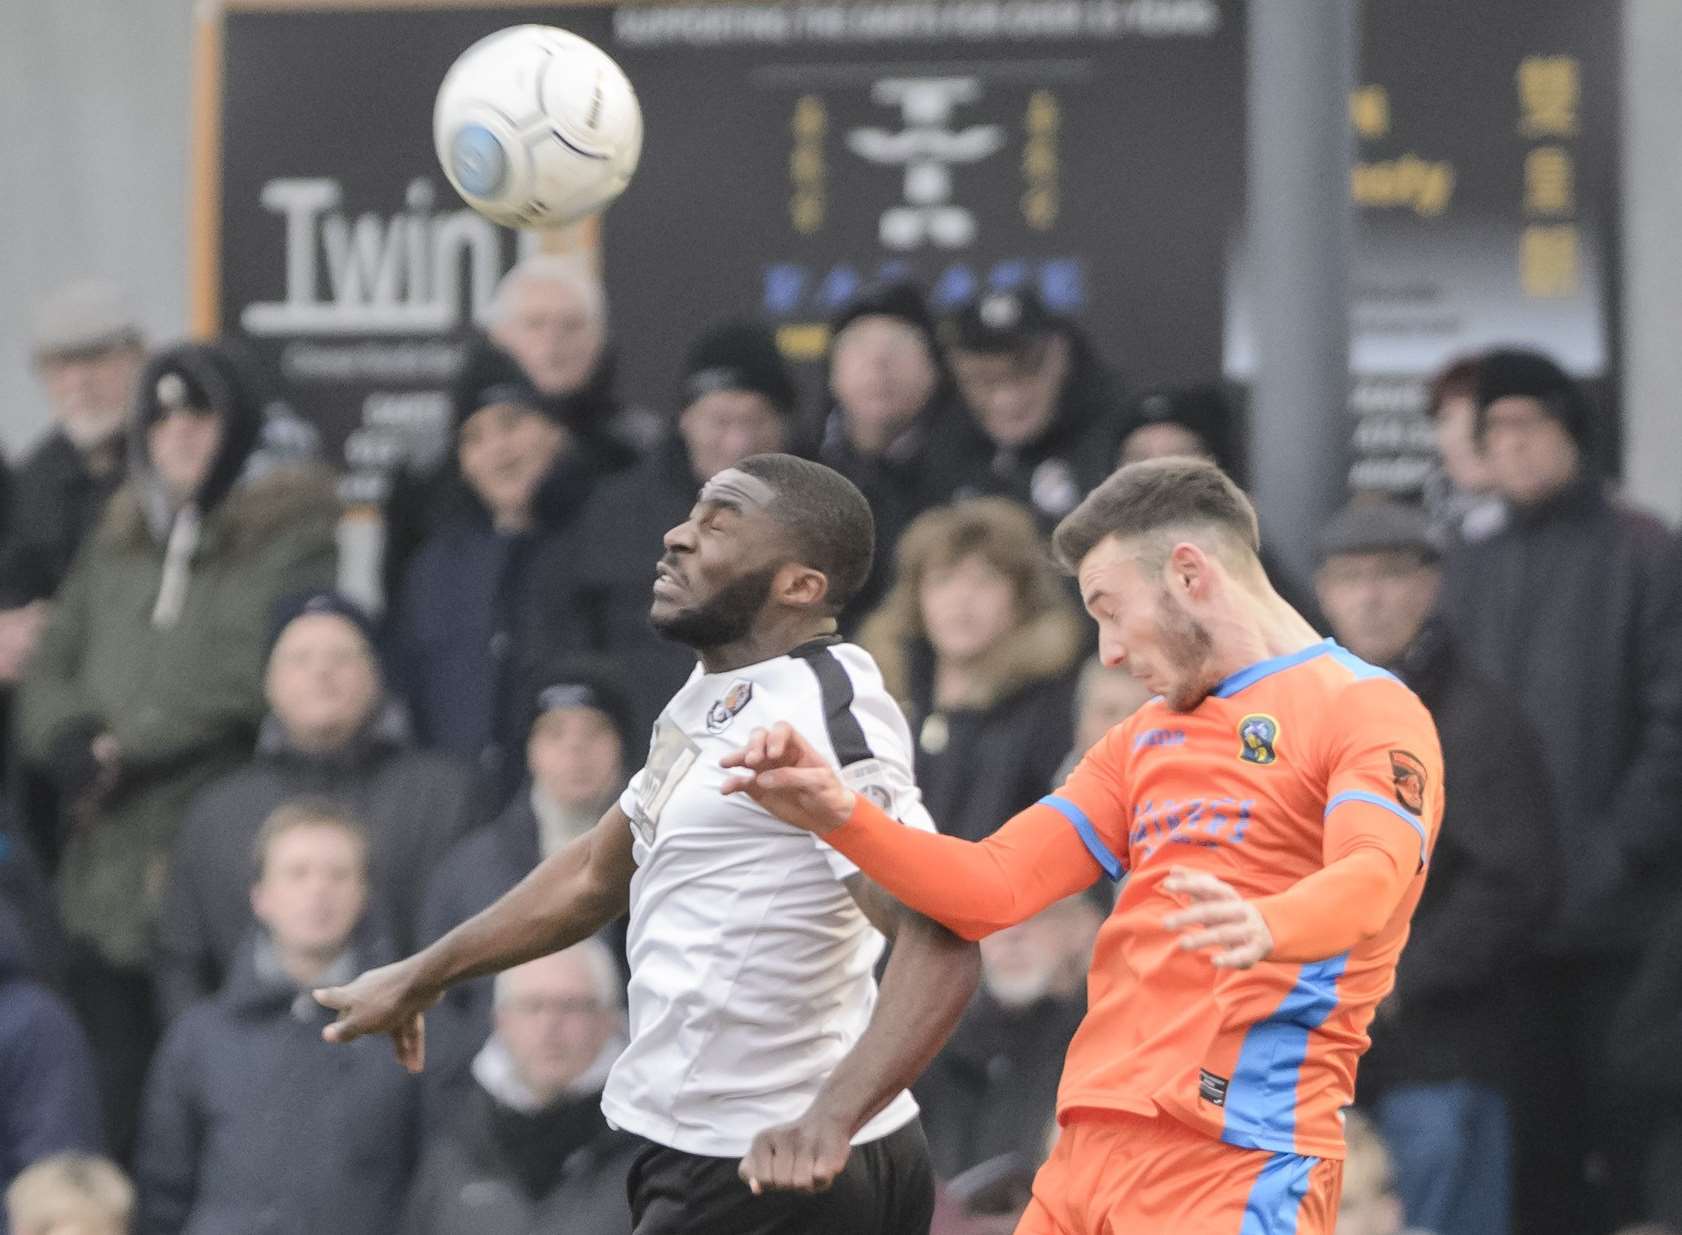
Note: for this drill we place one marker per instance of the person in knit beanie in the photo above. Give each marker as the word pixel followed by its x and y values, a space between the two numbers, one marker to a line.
pixel 148 682
pixel 888 386
pixel 1536 426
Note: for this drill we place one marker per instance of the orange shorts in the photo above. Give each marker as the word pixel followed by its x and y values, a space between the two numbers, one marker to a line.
pixel 1117 1174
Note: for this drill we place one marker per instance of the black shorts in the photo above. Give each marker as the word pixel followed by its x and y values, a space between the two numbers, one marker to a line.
pixel 887 1188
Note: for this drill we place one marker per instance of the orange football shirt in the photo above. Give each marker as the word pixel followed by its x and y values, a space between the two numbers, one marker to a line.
pixel 1242 787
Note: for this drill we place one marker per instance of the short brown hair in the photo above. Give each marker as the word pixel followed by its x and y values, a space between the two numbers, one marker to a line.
pixel 306 813
pixel 1155 495
pixel 1459 380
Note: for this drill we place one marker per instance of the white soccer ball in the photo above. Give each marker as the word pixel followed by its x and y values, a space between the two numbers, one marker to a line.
pixel 536 127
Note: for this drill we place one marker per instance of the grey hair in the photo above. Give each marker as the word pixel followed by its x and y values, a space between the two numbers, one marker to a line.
pixel 604 974
pixel 567 269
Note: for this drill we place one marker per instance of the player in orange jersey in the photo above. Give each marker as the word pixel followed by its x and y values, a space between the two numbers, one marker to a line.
pixel 1274 810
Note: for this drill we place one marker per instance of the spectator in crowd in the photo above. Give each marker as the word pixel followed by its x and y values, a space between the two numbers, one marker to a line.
pixel 576 754
pixel 48 1099
pixel 1460 495
pixel 738 400
pixel 1369 1204
pixel 1104 697
pixel 70 1194
pixel 526 1150
pixel 252 1122
pixel 889 388
pixel 1435 1078
pixel 1645 1046
pixel 87 351
pixel 1045 417
pixel 148 681
pixel 979 640
pixel 333 731
pixel 550 315
pixel 1573 605
pixel 1198 421
pixel 992 1090
pixel 462 620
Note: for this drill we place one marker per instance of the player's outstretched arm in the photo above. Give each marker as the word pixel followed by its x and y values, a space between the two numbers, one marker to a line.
pixel 930 978
pixel 974 888
pixel 567 898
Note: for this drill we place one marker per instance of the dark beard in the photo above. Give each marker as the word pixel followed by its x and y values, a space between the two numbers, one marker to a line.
pixel 1188 645
pixel 726 618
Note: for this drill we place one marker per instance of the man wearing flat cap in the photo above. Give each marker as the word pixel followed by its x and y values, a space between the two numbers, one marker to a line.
pixel 1575 606
pixel 1046 418
pixel 1437 1077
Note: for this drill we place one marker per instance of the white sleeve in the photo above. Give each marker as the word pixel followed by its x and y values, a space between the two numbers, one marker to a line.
pixel 887 778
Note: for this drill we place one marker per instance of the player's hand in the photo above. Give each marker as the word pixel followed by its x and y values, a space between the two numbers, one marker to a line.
pixel 385 1000
pixel 1217 918
pixel 803 1156
pixel 781 771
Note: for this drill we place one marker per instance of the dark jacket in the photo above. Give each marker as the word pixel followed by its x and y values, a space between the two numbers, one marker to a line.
pixel 896 485
pixel 1493 876
pixel 993 1089
pixel 476 871
pixel 48 1098
pixel 497 1171
pixel 55 503
pixel 979 766
pixel 604 436
pixel 253 1124
pixel 1050 475
pixel 1574 606
pixel 594 587
pixel 414 803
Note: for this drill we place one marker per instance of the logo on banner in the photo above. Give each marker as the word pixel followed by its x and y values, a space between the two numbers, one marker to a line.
pixel 929 146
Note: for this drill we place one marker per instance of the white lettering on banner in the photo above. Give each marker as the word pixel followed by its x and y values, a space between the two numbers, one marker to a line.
pixel 391 274
pixel 928 148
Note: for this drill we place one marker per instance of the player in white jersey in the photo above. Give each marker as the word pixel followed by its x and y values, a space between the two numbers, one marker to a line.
pixel 764 1072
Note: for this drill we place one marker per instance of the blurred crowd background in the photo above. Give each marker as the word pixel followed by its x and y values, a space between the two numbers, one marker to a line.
pixel 244 756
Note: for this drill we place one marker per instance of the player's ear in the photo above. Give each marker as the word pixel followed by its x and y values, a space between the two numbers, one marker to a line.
pixel 800 587
pixel 1188 567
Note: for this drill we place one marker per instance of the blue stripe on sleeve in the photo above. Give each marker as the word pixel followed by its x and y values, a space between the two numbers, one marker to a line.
pixel 1088 834
pixel 1373 799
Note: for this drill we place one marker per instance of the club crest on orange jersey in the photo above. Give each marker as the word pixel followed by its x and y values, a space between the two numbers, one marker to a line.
pixel 1408 772
pixel 724 711
pixel 1258 738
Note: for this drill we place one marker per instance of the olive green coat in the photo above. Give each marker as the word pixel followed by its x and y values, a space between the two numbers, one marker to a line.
pixel 182 703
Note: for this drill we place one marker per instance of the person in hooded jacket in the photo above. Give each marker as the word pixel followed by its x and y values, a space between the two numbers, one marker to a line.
pixel 333 731
pixel 147 684
pixel 979 642
pixel 580 735
pixel 550 315
pixel 1045 416
pixel 889 388
pixel 252 1123
pixel 465 621
pixel 525 1150
pixel 595 588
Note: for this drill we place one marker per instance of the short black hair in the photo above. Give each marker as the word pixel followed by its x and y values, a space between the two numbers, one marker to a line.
pixel 1156 495
pixel 826 517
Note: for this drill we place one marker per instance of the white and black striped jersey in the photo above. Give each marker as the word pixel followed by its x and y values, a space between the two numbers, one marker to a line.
pixel 752 969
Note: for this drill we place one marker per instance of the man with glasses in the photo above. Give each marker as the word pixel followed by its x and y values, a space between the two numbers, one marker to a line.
pixel 1437 1074
pixel 1574 606
pixel 1045 416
